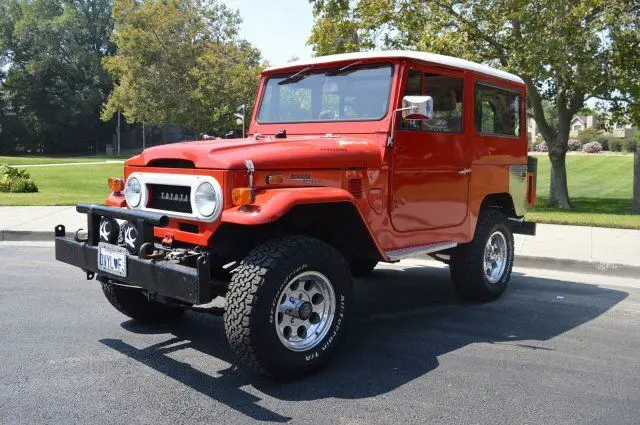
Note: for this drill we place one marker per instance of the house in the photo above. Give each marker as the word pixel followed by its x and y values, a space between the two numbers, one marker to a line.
pixel 583 122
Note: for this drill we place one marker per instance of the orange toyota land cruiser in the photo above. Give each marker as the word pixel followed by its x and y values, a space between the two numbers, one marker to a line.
pixel 350 160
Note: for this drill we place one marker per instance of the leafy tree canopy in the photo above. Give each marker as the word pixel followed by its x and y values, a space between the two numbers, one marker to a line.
pixel 180 61
pixel 567 51
pixel 53 84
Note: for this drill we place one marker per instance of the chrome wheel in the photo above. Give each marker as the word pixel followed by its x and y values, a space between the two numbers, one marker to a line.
pixel 305 311
pixel 495 257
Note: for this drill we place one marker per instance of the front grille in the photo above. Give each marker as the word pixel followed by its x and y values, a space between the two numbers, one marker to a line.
pixel 169 198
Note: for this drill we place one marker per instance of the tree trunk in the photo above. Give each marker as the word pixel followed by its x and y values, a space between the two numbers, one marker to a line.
pixel 558 189
pixel 636 181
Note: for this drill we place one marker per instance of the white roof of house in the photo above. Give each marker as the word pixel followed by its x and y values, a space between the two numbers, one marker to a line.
pixel 581 118
pixel 421 56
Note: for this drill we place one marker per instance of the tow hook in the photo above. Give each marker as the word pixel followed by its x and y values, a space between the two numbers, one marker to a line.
pixel 148 252
pixel 81 236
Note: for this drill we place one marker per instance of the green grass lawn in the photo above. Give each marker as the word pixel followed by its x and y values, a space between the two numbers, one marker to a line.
pixel 66 185
pixel 600 188
pixel 30 160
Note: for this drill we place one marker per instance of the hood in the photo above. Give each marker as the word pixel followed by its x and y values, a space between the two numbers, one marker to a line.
pixel 293 152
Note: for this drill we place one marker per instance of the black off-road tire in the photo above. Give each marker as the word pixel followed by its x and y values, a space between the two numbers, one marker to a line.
pixel 361 267
pixel 467 260
pixel 132 302
pixel 252 303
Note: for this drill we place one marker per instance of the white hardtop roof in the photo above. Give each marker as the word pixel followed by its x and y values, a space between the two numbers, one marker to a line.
pixel 421 56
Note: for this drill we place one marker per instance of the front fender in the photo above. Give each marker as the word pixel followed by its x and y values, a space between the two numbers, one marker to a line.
pixel 272 204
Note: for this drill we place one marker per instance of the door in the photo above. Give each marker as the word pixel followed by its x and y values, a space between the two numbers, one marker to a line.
pixel 431 159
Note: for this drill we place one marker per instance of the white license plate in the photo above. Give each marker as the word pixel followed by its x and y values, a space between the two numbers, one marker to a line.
pixel 112 259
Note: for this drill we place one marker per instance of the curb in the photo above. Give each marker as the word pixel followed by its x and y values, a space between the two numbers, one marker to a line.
pixel 578 266
pixel 546 263
pixel 26 236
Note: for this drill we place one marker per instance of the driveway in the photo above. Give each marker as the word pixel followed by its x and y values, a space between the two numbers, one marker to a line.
pixel 557 348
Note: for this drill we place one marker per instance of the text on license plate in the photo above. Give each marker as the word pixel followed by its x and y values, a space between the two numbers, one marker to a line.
pixel 112 259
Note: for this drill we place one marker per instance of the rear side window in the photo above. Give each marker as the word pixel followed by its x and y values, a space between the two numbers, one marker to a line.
pixel 497 111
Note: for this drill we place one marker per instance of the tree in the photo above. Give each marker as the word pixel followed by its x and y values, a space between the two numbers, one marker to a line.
pixel 566 51
pixel 180 61
pixel 54 84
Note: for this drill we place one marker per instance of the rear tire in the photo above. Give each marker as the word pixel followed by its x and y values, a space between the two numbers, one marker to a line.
pixel 361 267
pixel 481 269
pixel 132 302
pixel 275 321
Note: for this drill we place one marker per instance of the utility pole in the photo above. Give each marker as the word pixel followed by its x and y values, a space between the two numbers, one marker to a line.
pixel 636 180
pixel 118 150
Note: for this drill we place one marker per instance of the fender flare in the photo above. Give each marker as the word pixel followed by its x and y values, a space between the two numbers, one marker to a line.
pixel 272 204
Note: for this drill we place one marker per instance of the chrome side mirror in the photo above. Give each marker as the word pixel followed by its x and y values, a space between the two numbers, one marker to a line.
pixel 417 108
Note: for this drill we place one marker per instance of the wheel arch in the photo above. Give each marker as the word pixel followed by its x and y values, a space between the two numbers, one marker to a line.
pixel 339 223
pixel 501 201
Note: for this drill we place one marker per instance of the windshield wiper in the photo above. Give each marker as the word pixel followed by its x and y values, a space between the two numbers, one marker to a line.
pixel 343 69
pixel 295 77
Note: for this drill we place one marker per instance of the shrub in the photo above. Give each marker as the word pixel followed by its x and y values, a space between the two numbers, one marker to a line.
pixel 21 185
pixel 605 141
pixel 615 145
pixel 629 145
pixel 588 135
pixel 16 180
pixel 574 145
pixel 14 173
pixel 542 147
pixel 592 147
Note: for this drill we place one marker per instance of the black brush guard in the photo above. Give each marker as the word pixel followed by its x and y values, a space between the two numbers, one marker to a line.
pixel 159 277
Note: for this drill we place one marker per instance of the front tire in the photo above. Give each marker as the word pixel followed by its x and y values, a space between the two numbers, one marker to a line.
pixel 481 269
pixel 287 306
pixel 132 302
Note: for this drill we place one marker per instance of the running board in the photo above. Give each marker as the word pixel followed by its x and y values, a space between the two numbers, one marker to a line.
pixel 400 254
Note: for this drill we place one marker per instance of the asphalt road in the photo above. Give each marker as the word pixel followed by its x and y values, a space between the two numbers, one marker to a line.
pixel 557 348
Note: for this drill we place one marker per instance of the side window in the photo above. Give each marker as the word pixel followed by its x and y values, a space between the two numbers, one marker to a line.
pixel 447 94
pixel 414 88
pixel 497 111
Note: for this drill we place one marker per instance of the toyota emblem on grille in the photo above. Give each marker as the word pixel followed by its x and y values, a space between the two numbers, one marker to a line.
pixel 178 197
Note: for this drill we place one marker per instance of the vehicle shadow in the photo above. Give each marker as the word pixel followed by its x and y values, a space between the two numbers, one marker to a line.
pixel 404 320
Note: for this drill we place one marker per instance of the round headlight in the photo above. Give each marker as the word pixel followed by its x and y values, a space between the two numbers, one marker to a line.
pixel 133 192
pixel 206 199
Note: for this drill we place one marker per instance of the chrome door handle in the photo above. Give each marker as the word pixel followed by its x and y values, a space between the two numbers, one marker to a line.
pixel 465 171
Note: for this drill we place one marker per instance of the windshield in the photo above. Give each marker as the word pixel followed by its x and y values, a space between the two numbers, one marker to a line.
pixel 351 93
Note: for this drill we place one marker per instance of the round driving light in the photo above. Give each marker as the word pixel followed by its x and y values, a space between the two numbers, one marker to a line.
pixel 206 199
pixel 131 237
pixel 133 192
pixel 109 230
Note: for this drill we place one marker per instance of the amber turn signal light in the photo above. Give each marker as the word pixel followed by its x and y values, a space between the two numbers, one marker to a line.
pixel 115 184
pixel 243 196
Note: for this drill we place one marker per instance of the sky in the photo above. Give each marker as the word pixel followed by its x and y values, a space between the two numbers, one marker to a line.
pixel 279 28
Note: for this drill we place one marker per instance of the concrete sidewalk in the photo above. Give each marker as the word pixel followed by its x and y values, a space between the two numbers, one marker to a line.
pixel 569 248
pixel 37 223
